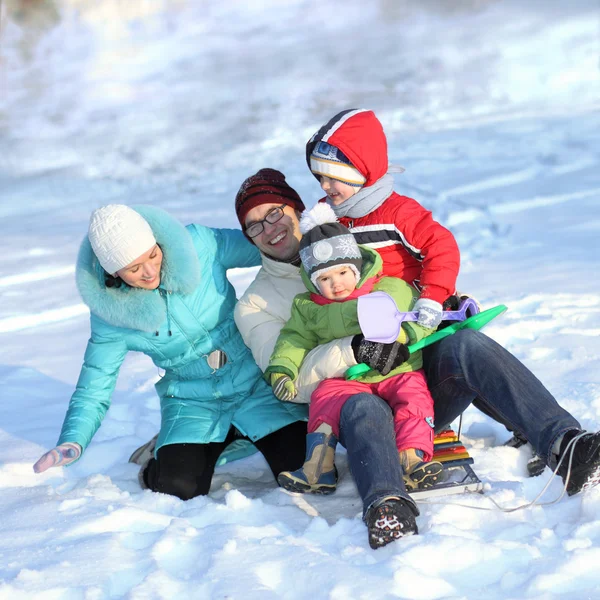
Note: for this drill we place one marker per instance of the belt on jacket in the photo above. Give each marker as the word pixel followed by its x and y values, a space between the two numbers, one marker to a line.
pixel 216 359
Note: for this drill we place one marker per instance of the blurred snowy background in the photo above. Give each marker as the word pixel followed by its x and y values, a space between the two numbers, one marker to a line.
pixel 492 106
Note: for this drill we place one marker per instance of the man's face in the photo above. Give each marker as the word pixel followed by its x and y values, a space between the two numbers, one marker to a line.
pixel 279 240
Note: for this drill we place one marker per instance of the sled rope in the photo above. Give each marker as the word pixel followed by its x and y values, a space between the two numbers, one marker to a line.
pixel 569 450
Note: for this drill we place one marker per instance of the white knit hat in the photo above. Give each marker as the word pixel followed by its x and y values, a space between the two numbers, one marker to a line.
pixel 118 236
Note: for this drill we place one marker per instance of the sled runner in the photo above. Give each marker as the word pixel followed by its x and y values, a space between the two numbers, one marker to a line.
pixel 449 450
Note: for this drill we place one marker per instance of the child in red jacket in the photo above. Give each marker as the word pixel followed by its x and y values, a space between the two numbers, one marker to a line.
pixel 348 155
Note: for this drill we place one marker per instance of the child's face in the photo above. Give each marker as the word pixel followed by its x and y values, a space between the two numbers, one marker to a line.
pixel 337 283
pixel 337 191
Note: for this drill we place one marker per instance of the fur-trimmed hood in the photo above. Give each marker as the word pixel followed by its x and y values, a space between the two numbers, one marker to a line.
pixel 135 308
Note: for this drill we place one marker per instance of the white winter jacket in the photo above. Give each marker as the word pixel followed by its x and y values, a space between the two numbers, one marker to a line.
pixel 265 308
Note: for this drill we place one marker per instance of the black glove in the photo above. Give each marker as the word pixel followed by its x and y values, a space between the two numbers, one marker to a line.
pixel 381 357
pixel 453 303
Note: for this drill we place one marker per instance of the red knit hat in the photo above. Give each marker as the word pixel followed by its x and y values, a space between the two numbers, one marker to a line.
pixel 267 186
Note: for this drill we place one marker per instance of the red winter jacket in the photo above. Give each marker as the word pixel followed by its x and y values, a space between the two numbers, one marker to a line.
pixel 412 245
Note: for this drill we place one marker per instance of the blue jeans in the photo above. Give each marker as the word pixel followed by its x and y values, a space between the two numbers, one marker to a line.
pixel 469 366
pixel 462 368
pixel 367 432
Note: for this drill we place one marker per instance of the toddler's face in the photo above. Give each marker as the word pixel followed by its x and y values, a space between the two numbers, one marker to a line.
pixel 337 283
pixel 337 191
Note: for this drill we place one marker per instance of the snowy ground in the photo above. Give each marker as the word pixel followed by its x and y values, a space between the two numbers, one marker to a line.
pixel 493 109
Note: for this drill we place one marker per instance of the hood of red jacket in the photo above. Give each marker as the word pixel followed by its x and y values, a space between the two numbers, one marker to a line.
pixel 359 135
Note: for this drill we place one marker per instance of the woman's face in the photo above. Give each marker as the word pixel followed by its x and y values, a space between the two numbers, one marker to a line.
pixel 144 272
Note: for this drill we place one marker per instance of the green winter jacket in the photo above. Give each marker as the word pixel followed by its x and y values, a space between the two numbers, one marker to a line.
pixel 312 324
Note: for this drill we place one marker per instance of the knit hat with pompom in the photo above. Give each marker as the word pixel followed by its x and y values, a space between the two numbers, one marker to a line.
pixel 326 243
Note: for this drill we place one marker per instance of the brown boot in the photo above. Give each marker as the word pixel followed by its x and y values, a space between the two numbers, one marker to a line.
pixel 417 473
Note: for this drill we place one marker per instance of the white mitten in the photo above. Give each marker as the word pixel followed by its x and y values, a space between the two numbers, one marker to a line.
pixel 430 312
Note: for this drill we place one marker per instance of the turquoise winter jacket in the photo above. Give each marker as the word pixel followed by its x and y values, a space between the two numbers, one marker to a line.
pixel 177 326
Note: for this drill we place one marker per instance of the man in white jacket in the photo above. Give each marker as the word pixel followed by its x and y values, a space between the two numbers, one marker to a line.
pixel 268 210
pixel 463 368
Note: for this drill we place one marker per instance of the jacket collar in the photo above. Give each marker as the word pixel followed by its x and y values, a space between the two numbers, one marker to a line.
pixel 135 308
pixel 278 269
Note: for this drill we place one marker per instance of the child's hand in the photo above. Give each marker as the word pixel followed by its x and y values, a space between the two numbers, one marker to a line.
pixel 380 357
pixel 283 387
pixel 402 337
pixel 430 312
pixel 62 455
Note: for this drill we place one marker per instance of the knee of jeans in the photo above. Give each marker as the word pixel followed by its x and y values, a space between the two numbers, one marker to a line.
pixel 183 487
pixel 362 405
pixel 465 343
pixel 465 337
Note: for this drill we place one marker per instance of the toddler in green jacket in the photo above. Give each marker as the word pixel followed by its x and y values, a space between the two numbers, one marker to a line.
pixel 337 271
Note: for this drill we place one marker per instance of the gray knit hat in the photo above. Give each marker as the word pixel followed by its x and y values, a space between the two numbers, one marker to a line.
pixel 326 243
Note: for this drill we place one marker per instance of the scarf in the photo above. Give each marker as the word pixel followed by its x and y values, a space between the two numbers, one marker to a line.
pixel 363 290
pixel 295 260
pixel 366 200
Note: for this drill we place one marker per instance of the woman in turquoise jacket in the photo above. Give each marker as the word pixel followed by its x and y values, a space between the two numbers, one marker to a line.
pixel 157 287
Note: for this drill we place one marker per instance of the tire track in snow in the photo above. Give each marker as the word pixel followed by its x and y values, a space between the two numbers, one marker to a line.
pixel 36 276
pixel 19 323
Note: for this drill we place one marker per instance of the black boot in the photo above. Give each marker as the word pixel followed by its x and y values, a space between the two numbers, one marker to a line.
pixel 389 520
pixel 516 441
pixel 536 464
pixel 585 466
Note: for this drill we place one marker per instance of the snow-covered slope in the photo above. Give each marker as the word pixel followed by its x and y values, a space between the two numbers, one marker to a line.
pixel 491 106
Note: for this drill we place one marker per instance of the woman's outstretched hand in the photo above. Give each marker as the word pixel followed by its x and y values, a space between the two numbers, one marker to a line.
pixel 62 455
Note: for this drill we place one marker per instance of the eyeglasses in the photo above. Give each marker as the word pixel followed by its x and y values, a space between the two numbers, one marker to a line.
pixel 272 216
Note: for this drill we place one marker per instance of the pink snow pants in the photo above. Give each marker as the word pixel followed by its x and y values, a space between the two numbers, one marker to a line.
pixel 407 395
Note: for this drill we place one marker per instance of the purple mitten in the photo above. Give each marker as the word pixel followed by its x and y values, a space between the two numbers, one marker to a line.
pixel 62 455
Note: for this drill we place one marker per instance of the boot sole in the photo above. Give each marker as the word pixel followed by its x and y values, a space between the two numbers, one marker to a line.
pixel 387 528
pixel 426 477
pixel 535 466
pixel 142 454
pixel 576 484
pixel 301 487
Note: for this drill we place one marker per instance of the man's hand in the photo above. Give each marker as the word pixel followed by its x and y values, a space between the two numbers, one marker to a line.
pixel 62 455
pixel 283 387
pixel 381 357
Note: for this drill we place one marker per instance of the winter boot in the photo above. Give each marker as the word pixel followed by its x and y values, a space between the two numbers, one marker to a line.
pixel 144 453
pixel 142 475
pixel 516 441
pixel 585 466
pixel 418 474
pixel 318 474
pixel 536 464
pixel 390 519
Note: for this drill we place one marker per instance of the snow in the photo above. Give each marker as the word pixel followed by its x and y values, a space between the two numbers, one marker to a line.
pixel 491 106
